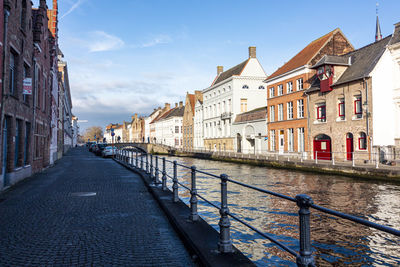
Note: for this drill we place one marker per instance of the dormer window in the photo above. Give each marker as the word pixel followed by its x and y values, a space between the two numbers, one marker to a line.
pixel 245 86
pixel 325 74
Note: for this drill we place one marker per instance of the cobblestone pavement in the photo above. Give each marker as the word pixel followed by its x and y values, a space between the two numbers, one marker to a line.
pixel 43 223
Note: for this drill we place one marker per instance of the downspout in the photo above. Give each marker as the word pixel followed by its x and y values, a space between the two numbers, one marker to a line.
pixel 367 119
pixel 3 84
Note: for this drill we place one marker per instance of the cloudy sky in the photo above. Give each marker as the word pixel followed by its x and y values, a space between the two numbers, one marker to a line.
pixel 131 56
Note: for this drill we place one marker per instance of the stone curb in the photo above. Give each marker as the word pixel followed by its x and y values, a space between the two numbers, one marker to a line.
pixel 199 238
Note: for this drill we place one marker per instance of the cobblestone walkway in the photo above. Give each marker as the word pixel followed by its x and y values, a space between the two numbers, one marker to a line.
pixel 43 223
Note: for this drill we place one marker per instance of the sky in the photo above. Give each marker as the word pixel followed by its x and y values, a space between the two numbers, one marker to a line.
pixel 131 56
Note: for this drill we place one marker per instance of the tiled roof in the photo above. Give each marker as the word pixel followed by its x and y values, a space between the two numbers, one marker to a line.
pixel 176 112
pixel 363 61
pixel 304 56
pixel 252 115
pixel 237 70
pixel 192 101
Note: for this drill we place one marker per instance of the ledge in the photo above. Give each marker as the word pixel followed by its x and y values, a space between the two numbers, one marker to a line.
pixel 199 237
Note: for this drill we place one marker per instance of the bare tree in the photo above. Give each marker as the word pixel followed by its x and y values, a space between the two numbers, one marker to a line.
pixel 93 133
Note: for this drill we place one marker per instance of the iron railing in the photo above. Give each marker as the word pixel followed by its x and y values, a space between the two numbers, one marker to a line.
pixel 304 257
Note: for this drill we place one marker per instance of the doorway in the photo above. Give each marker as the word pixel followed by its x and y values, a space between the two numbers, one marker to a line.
pixel 5 152
pixel 281 141
pixel 349 146
pixel 322 147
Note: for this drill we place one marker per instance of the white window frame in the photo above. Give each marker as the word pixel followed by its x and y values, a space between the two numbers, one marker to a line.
pixel 289 112
pixel 290 139
pixel 272 114
pixel 280 89
pixel 299 84
pixel 280 112
pixel 289 87
pixel 300 108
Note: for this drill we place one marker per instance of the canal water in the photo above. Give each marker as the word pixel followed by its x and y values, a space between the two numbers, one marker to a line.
pixel 335 241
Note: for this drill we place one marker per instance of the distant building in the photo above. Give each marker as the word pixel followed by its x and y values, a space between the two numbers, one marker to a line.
pixel 155 128
pixel 234 91
pixel 75 131
pixel 188 119
pixel 287 104
pixel 117 129
pixel 198 130
pixel 147 121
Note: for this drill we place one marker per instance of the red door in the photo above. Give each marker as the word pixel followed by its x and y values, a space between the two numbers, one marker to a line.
pixel 349 148
pixel 322 149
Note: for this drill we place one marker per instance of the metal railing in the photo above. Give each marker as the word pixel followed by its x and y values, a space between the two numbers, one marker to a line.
pixel 304 257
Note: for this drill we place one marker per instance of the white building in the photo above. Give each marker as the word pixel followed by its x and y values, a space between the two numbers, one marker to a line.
pixel 234 91
pixel 75 131
pixel 168 127
pixel 250 129
pixel 198 139
pixel 117 132
pixel 147 122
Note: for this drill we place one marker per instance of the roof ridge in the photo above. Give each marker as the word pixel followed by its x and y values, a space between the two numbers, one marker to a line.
pixel 370 44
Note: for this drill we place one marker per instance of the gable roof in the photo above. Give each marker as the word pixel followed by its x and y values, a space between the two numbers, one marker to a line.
pixel 175 112
pixel 363 61
pixel 192 101
pixel 236 70
pixel 304 56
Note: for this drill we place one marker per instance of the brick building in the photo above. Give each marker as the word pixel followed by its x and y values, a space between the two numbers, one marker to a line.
pixel 287 104
pixel 188 119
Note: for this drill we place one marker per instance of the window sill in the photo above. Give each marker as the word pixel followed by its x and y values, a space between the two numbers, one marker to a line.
pixel 340 120
pixel 319 122
pixel 357 119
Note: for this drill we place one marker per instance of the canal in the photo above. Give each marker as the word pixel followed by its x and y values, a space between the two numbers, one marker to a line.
pixel 335 241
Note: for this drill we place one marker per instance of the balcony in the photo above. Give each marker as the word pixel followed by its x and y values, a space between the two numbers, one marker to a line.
pixel 226 115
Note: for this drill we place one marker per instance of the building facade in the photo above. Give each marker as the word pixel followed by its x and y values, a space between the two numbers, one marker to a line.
pixel 188 119
pixel 287 104
pixel 147 121
pixel 234 91
pixel 198 130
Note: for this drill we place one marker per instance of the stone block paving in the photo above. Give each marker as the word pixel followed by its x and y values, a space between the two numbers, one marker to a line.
pixel 43 223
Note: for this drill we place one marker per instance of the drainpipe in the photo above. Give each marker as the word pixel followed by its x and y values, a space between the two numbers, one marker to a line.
pixel 367 119
pixel 3 84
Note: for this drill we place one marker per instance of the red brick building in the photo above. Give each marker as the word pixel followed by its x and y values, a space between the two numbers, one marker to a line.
pixel 287 104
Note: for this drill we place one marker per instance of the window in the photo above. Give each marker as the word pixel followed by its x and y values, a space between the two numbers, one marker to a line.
pixel 272 114
pixel 26 143
pixel 229 105
pixel 280 89
pixel 23 15
pixel 280 112
pixel 261 87
pixel 290 110
pixel 357 106
pixel 176 129
pixel 341 110
pixel 245 86
pixel 290 139
pixel 289 87
pixel 300 108
pixel 12 71
pixel 44 95
pixel 300 139
pixel 26 75
pixel 18 133
pixel 272 140
pixel 271 92
pixel 243 105
pixel 176 141
pixel 321 112
pixel 299 84
pixel 362 141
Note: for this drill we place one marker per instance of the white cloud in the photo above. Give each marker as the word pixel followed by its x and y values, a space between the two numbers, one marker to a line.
pixel 72 8
pixel 160 39
pixel 102 41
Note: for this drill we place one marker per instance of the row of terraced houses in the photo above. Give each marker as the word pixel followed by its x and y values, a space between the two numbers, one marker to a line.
pixel 36 125
pixel 329 97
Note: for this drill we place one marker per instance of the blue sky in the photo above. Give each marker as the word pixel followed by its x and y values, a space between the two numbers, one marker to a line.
pixel 131 56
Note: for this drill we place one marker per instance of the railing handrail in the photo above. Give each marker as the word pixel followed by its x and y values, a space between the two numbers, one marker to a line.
pixel 303 201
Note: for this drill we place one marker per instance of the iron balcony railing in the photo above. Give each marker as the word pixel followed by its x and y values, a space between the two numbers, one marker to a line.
pixel 304 257
pixel 226 115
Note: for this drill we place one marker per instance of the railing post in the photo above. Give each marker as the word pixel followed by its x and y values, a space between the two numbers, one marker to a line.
pixel 151 165
pixel 194 216
pixel 333 158
pixel 175 197
pixel 164 176
pixel 156 180
pixel 377 160
pixel 147 163
pixel 224 242
pixel 352 159
pixel 316 157
pixel 305 258
pixel 137 160
pixel 141 161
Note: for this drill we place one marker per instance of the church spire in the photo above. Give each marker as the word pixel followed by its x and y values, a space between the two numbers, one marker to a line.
pixel 378 35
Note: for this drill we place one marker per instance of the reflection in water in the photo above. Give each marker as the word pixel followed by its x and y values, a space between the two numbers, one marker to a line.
pixel 335 241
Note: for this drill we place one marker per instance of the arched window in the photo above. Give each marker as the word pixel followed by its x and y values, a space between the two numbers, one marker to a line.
pixel 245 86
pixel 362 141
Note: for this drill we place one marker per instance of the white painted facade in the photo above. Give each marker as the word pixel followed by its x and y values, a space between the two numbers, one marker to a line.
pixel 222 101
pixel 54 118
pixel 75 131
pixel 147 121
pixel 198 138
pixel 385 101
pixel 168 131
pixel 252 136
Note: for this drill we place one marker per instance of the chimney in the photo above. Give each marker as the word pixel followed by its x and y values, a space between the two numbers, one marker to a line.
pixel 252 52
pixel 176 105
pixel 136 116
pixel 167 106
pixel 220 69
pixel 180 104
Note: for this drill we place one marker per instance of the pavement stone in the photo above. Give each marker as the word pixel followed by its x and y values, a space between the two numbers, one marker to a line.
pixel 42 223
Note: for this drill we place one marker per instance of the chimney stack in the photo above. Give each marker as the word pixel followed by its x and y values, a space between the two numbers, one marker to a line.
pixel 136 116
pixel 167 106
pixel 180 104
pixel 220 69
pixel 252 52
pixel 176 105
